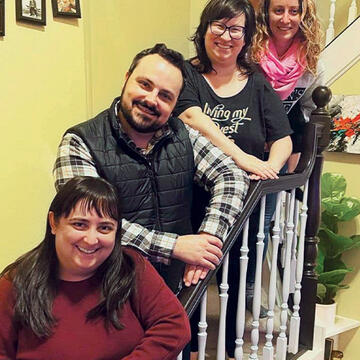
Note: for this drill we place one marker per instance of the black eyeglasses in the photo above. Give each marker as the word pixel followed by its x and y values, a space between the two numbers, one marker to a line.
pixel 218 28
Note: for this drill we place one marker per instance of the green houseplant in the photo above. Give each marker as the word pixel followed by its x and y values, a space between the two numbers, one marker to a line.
pixel 336 207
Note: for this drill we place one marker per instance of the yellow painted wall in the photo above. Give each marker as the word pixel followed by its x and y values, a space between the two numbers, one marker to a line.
pixel 42 91
pixel 58 75
pixel 349 166
pixel 119 29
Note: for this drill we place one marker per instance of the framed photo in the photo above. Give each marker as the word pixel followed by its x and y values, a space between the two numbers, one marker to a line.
pixel 31 10
pixel 2 17
pixel 66 8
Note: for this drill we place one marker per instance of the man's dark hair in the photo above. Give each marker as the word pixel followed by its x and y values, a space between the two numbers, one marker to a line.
pixel 225 9
pixel 172 56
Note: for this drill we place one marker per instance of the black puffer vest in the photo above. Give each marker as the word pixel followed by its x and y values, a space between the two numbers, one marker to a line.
pixel 156 190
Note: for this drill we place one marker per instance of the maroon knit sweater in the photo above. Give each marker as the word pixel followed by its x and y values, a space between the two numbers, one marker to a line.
pixel 156 326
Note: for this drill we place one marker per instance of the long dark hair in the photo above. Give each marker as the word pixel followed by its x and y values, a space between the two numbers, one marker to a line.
pixel 220 9
pixel 35 274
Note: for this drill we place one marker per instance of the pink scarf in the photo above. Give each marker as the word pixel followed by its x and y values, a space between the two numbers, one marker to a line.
pixel 283 74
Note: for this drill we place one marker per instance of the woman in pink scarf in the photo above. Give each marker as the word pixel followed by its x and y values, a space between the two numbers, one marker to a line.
pixel 287 47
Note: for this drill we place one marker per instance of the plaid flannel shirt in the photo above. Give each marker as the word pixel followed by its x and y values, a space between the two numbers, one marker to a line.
pixel 214 171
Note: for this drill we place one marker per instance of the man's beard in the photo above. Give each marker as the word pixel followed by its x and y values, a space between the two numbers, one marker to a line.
pixel 143 124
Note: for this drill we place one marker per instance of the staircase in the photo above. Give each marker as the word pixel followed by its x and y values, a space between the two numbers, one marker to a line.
pixel 341 23
pixel 306 342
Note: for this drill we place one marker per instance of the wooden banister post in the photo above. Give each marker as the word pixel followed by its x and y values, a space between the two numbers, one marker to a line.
pixel 321 97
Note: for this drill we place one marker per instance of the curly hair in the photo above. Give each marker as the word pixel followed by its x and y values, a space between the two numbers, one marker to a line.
pixel 220 9
pixel 310 34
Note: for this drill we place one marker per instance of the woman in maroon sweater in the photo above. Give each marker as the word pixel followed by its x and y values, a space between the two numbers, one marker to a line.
pixel 78 295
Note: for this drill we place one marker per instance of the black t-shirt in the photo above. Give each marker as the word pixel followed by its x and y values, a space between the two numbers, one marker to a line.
pixel 250 118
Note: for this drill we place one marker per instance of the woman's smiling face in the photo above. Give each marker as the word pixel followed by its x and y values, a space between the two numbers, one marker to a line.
pixel 222 49
pixel 83 241
pixel 284 21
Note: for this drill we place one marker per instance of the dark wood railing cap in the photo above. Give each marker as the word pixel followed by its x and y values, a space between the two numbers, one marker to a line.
pixel 321 97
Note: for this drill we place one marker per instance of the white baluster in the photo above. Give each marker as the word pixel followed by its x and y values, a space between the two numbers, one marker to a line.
pixel 295 318
pixel 352 12
pixel 257 287
pixel 268 351
pixel 281 342
pixel 293 249
pixel 240 314
pixel 224 287
pixel 330 30
pixel 202 335
pixel 286 205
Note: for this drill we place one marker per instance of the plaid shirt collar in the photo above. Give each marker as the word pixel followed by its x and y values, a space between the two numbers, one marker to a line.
pixel 159 134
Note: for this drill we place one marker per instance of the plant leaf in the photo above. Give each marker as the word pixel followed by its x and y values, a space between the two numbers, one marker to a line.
pixel 334 277
pixel 320 258
pixel 333 186
pixel 330 221
pixel 331 291
pixel 336 244
pixel 348 208
pixel 321 292
pixel 331 264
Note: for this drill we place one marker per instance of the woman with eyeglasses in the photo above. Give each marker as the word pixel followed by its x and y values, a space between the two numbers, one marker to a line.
pixel 80 295
pixel 225 98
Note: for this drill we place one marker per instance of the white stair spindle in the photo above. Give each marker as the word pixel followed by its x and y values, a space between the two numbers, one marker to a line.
pixel 202 335
pixel 286 204
pixel 281 343
pixel 240 314
pixel 295 318
pixel 268 351
pixel 293 248
pixel 224 287
pixel 330 30
pixel 352 12
pixel 257 287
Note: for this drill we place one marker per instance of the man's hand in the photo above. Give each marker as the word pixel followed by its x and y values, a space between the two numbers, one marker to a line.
pixel 201 249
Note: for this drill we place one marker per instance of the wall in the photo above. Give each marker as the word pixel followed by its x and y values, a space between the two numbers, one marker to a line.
pixel 42 92
pixel 117 30
pixel 348 165
pixel 58 75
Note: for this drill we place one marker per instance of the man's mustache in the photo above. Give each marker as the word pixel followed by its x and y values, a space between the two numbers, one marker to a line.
pixel 153 109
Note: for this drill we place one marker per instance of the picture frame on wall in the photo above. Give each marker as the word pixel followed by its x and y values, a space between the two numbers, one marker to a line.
pixel 345 125
pixel 66 8
pixel 2 17
pixel 33 11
